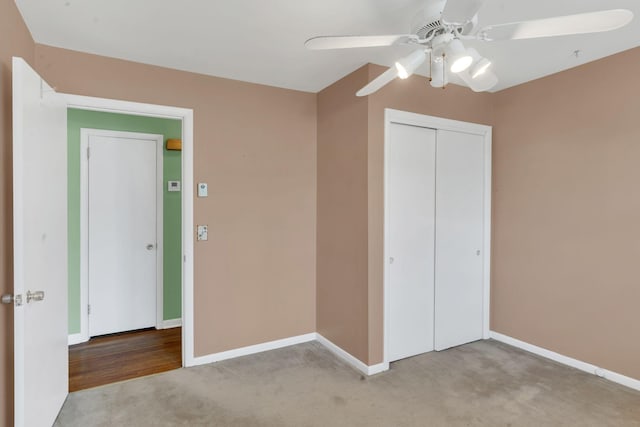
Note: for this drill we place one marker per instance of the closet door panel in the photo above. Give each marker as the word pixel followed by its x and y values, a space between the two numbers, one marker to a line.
pixel 410 206
pixel 459 238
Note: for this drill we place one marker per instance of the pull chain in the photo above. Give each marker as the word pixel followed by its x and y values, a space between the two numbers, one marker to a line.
pixel 430 71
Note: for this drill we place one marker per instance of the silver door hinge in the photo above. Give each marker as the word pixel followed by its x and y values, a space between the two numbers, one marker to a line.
pixel 88 152
pixel 88 308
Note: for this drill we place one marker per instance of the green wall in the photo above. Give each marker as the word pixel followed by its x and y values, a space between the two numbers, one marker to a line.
pixel 77 119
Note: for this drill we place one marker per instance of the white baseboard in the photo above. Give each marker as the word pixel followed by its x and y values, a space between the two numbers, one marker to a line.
pixel 351 360
pixel 575 363
pixel 252 349
pixel 171 323
pixel 77 339
pixel 272 345
pixel 620 379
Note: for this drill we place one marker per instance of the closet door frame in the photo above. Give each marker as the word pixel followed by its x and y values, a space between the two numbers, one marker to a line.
pixel 413 119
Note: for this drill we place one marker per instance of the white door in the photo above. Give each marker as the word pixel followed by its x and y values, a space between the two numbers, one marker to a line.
pixel 122 176
pixel 459 239
pixel 40 248
pixel 410 209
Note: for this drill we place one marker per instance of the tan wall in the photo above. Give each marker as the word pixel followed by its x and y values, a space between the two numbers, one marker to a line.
pixel 256 148
pixel 417 96
pixel 15 40
pixel 566 205
pixel 342 215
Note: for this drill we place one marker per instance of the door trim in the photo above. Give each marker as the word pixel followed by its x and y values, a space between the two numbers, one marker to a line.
pixel 186 116
pixel 413 119
pixel 85 133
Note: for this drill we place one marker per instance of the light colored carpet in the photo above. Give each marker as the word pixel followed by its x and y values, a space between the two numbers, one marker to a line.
pixel 485 383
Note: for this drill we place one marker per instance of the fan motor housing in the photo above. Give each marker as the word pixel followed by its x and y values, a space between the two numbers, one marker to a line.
pixel 427 22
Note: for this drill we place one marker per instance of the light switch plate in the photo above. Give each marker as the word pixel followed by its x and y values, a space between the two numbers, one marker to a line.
pixel 203 189
pixel 173 185
pixel 203 232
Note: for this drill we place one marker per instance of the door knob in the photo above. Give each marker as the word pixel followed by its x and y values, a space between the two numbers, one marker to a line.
pixel 10 299
pixel 150 246
pixel 35 296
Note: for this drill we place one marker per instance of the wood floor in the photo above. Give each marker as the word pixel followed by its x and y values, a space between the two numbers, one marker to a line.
pixel 117 357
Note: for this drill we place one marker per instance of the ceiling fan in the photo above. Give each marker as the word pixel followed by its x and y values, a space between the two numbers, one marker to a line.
pixel 438 32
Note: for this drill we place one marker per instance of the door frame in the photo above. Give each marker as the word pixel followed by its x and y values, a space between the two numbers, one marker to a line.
pixel 413 119
pixel 185 115
pixel 85 133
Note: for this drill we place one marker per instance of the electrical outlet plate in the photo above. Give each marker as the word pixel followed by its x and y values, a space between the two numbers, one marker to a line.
pixel 203 232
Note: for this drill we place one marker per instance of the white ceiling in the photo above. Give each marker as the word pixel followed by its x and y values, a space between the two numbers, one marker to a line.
pixel 262 41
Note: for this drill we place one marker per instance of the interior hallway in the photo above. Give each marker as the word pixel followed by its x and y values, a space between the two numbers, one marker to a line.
pixel 117 357
pixel 485 383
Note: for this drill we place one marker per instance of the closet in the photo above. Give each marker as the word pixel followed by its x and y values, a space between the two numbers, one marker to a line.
pixel 437 202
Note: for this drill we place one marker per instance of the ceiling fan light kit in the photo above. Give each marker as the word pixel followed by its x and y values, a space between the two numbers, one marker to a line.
pixel 408 65
pixel 481 83
pixel 480 68
pixel 479 65
pixel 458 56
pixel 439 78
pixel 440 28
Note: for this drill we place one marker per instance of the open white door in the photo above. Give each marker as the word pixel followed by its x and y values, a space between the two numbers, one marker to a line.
pixel 40 248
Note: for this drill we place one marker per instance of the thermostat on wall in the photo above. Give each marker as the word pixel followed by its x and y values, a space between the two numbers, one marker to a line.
pixel 173 185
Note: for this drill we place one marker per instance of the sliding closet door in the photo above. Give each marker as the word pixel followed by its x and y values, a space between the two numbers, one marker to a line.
pixel 459 239
pixel 410 209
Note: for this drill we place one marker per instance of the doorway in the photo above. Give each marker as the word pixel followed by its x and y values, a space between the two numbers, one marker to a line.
pixel 99 126
pixel 185 116
pixel 125 238
pixel 128 290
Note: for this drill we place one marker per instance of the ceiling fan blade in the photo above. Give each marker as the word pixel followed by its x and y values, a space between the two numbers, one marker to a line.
pixel 461 11
pixel 345 42
pixel 378 82
pixel 591 22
